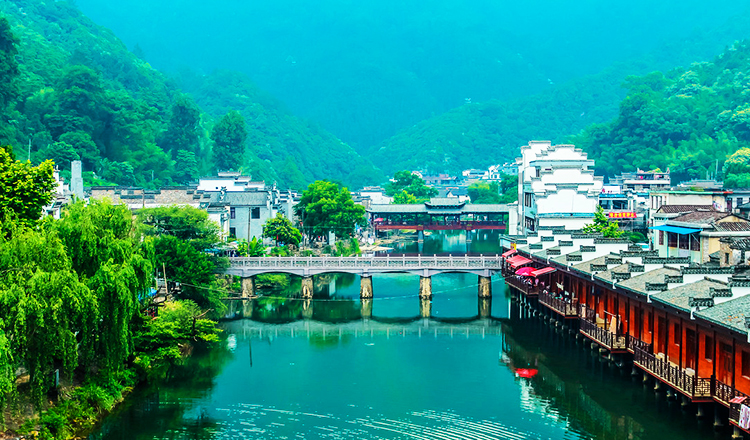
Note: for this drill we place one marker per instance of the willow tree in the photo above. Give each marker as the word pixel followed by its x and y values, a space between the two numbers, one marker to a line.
pixel 100 240
pixel 47 312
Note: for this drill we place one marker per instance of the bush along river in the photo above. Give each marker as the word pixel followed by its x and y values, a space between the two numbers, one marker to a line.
pixel 468 369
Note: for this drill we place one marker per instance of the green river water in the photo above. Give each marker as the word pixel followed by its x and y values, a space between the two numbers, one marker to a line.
pixel 288 370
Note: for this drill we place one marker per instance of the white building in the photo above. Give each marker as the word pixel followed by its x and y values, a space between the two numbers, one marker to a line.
pixel 556 187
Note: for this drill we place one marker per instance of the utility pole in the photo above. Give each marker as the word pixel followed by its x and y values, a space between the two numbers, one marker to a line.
pixel 28 158
pixel 716 170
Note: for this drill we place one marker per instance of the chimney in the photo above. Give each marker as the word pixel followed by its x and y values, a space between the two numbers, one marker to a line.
pixel 76 179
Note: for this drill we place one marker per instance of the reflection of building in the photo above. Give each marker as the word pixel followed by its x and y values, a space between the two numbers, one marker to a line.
pixel 556 187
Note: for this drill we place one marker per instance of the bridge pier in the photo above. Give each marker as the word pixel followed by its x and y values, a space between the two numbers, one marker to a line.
pixel 485 307
pixel 248 287
pixel 365 308
pixel 425 287
pixel 425 307
pixel 420 236
pixel 307 287
pixel 485 287
pixel 365 287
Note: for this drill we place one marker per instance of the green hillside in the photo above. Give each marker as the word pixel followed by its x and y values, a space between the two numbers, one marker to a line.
pixel 688 120
pixel 74 91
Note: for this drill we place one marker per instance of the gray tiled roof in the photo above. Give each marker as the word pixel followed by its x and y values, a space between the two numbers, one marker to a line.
pixel 585 267
pixel 729 314
pixel 607 276
pixel 680 296
pixel 637 282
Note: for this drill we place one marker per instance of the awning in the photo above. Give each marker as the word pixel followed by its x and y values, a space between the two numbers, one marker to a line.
pixel 510 252
pixel 520 261
pixel 543 271
pixel 675 229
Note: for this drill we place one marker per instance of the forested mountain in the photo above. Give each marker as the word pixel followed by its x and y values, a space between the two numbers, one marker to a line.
pixel 71 90
pixel 480 134
pixel 688 120
pixel 367 69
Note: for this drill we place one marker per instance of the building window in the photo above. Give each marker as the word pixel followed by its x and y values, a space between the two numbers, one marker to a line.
pixel 726 354
pixel 695 242
pixel 650 318
pixel 232 213
pixel 746 364
pixel 739 201
pixel 661 237
pixel 726 258
pixel 677 335
pixel 233 232
pixel 708 349
pixel 255 213
pixel 672 239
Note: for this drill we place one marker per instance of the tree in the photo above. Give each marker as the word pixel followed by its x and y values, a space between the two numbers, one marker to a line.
pixel 182 129
pixel 84 146
pixel 24 189
pixel 484 193
pixel 603 226
pixel 229 136
pixel 281 230
pixel 252 248
pixel 405 198
pixel 8 64
pixel 183 222
pixel 61 153
pixel 186 167
pixel 328 207
pixel 412 184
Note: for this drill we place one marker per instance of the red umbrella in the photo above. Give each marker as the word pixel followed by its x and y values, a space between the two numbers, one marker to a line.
pixel 525 271
pixel 527 372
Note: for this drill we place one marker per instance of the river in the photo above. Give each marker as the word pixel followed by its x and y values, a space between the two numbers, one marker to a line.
pixel 291 369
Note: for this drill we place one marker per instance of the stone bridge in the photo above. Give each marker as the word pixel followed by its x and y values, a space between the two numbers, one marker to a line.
pixel 365 267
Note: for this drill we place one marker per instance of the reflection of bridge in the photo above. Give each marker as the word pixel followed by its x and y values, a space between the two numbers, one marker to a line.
pixel 368 329
pixel 365 267
pixel 444 214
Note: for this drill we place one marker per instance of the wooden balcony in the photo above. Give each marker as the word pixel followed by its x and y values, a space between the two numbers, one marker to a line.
pixel 606 339
pixel 520 285
pixel 634 343
pixel 565 308
pixel 698 389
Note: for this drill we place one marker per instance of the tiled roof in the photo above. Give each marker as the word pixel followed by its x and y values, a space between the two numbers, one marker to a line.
pixel 638 281
pixel 741 245
pixel 585 267
pixel 607 276
pixel 700 217
pixel 680 296
pixel 732 226
pixel 677 209
pixel 729 314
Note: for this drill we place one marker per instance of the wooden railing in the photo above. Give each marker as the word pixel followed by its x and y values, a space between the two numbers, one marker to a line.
pixel 603 337
pixel 690 385
pixel 517 283
pixel 635 343
pixel 586 313
pixel 724 393
pixel 568 309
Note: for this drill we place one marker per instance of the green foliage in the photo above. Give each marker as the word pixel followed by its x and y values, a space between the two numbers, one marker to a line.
pixel 281 230
pixel 183 127
pixel 348 248
pixel 229 136
pixel 280 251
pixel 602 225
pixel 8 64
pixel 411 184
pixel 404 198
pixel 688 120
pixel 183 222
pixel 326 206
pixel 252 248
pixel 484 193
pixel 26 189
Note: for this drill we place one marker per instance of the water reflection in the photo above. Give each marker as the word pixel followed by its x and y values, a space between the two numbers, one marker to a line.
pixel 449 242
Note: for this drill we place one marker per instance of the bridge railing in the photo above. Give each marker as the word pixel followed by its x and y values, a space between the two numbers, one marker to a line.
pixel 483 262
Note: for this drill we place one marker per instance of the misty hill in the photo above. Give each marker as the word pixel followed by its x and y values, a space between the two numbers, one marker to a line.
pixel 688 120
pixel 480 134
pixel 80 94
pixel 366 70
